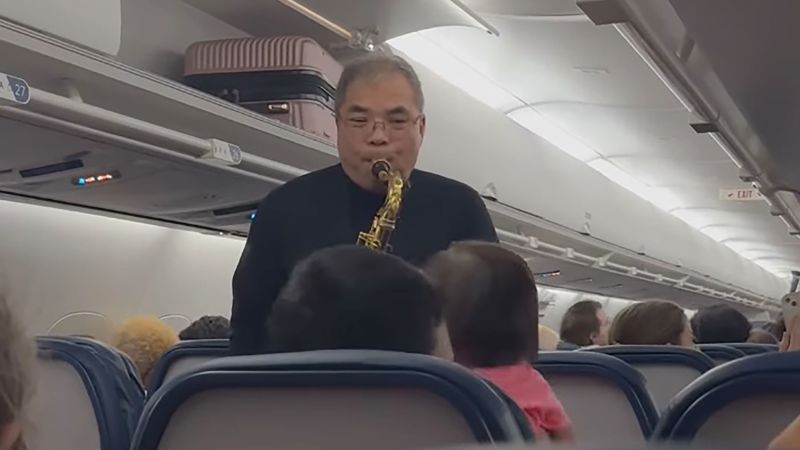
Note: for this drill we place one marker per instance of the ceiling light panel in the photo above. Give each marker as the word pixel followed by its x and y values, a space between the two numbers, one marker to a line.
pixel 424 50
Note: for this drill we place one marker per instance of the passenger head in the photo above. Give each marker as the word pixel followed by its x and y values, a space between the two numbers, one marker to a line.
pixel 379 115
pixel 548 339
pixel 144 339
pixel 207 327
pixel 651 323
pixel 762 337
pixel 720 323
pixel 584 324
pixel 17 353
pixel 491 304
pixel 350 297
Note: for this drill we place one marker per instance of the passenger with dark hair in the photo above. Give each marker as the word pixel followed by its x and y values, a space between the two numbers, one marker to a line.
pixel 349 297
pixel 584 324
pixel 652 323
pixel 491 311
pixel 207 327
pixel 720 324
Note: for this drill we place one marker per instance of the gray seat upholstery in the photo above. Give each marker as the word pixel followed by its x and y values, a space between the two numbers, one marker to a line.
pixel 667 369
pixel 742 404
pixel 184 357
pixel 330 399
pixel 87 396
pixel 605 399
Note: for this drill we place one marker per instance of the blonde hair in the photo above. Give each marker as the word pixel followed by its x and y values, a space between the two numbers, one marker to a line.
pixel 17 357
pixel 144 339
pixel 548 339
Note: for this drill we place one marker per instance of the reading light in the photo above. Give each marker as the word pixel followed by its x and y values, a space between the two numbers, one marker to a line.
pixel 552 273
pixel 252 216
pixel 96 179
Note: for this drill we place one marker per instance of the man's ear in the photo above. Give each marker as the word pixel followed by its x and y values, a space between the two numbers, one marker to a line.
pixel 423 125
pixel 593 337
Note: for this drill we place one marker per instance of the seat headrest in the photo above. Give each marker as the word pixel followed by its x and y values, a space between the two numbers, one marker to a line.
pixel 115 392
pixel 629 380
pixel 657 354
pixel 765 374
pixel 721 351
pixel 750 348
pixel 186 349
pixel 485 411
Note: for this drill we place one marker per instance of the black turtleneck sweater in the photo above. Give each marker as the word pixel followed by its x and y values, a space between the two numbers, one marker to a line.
pixel 325 208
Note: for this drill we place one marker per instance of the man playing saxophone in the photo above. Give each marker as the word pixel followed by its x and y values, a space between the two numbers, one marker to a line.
pixel 374 197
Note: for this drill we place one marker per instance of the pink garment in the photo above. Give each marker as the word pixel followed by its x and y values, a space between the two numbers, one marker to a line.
pixel 532 393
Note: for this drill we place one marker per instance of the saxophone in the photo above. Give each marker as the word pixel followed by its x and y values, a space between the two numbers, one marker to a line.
pixel 377 238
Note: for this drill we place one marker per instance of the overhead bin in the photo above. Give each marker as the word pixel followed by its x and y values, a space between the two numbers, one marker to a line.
pixel 95 24
pixel 340 20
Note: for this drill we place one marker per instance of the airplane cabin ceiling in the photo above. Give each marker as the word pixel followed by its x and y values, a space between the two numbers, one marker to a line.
pixel 524 8
pixel 759 65
pixel 590 82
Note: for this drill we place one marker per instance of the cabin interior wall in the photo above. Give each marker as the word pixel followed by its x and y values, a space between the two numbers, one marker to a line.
pixel 55 262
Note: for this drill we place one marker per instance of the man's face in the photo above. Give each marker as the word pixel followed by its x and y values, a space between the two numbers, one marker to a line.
pixel 379 119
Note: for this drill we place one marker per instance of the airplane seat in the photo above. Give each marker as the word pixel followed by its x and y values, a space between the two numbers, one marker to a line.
pixel 85 396
pixel 185 356
pixel 605 398
pixel 753 349
pixel 335 399
pixel 721 353
pixel 743 404
pixel 566 346
pixel 667 369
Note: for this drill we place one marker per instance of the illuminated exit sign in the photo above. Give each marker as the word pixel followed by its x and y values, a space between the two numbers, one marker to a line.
pixel 740 195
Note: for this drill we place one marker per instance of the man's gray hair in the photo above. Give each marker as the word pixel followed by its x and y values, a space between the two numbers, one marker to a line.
pixel 372 65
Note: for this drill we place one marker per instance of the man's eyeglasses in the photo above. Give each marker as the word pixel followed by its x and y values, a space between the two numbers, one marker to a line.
pixel 360 122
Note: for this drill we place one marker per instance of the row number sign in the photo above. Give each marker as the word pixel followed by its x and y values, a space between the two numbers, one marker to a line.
pixel 740 195
pixel 13 90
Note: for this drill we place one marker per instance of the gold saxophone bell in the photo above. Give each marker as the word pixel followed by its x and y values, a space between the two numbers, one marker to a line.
pixel 377 238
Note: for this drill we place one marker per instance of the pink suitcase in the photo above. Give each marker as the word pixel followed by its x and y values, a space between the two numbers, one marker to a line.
pixel 289 78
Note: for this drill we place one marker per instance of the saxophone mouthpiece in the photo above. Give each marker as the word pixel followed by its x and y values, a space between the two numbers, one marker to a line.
pixel 381 169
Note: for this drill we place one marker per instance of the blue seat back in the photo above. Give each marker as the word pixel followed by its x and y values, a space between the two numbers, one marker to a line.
pixel 721 353
pixel 339 399
pixel 605 398
pixel 743 404
pixel 185 356
pixel 753 349
pixel 87 396
pixel 667 369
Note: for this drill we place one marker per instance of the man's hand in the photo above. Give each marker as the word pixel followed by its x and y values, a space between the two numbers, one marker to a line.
pixel 791 337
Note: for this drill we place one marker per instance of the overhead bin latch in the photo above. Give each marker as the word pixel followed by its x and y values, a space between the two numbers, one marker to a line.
pixel 223 153
pixel 14 91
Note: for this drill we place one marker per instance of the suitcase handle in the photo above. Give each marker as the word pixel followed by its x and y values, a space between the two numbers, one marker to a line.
pixel 278 108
